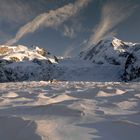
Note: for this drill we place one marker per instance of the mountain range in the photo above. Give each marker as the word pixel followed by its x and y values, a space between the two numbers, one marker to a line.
pixel 110 59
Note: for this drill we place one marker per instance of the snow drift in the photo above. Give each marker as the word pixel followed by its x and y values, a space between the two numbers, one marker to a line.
pixel 69 110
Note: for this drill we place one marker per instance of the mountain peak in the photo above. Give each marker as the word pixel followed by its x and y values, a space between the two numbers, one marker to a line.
pixel 20 63
pixel 109 50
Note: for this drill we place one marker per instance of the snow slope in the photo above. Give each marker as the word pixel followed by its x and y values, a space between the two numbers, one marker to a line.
pixel 69 111
pixel 75 69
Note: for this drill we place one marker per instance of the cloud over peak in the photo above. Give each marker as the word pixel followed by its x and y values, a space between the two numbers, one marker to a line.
pixel 113 13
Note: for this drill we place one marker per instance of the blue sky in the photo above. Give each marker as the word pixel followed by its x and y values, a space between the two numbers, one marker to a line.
pixel 61 26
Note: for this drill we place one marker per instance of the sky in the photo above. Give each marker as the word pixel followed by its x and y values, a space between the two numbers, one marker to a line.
pixel 62 26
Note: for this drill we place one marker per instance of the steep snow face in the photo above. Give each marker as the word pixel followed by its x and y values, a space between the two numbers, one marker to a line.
pixel 19 63
pixel 112 51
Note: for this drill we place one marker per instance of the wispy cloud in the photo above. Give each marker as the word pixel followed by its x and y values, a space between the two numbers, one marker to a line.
pixel 14 13
pixel 113 13
pixel 69 32
pixel 53 19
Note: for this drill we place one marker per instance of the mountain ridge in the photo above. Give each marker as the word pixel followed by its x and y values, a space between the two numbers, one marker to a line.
pixel 109 57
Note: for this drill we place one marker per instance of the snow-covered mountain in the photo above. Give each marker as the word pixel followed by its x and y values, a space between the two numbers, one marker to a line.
pixel 111 51
pixel 19 63
pixel 116 52
pixel 119 59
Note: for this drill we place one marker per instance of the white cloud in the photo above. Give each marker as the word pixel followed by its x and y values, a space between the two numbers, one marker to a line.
pixel 69 32
pixel 53 19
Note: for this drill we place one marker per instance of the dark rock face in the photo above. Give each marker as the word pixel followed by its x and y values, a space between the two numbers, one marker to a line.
pixel 25 71
pixel 131 68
